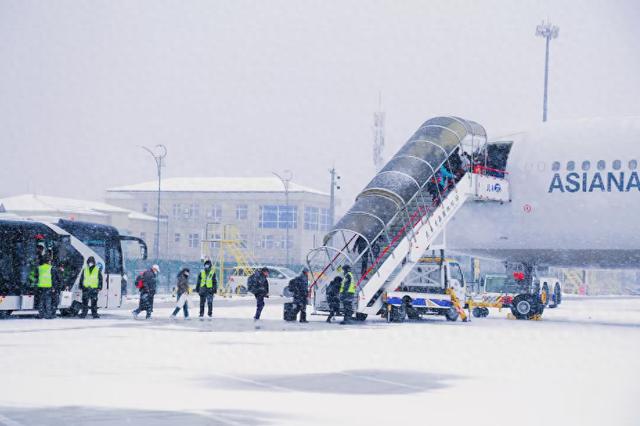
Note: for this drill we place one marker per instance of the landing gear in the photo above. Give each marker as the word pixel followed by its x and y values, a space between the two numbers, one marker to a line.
pixel 526 306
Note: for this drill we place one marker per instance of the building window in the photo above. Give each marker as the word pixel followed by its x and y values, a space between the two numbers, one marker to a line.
pixel 633 164
pixel 242 211
pixel 311 218
pixel 602 165
pixel 325 219
pixel 194 240
pixel 215 244
pixel 571 165
pixel 177 237
pixel 617 164
pixel 215 213
pixel 195 210
pixel 282 242
pixel 267 242
pixel 555 166
pixel 177 212
pixel 282 217
pixel 586 165
pixel 145 207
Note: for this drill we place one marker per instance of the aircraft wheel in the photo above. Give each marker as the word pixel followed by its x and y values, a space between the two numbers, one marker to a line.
pixel 523 307
pixel 451 314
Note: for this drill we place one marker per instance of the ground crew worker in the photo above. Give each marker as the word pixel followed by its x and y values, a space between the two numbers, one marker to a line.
pixel 206 286
pixel 90 284
pixel 333 297
pixel 147 291
pixel 46 278
pixel 259 286
pixel 300 288
pixel 347 293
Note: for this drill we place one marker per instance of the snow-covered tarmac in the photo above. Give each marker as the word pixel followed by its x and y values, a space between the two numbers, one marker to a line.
pixel 579 365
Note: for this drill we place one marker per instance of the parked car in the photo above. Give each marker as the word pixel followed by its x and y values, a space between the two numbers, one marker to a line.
pixel 279 278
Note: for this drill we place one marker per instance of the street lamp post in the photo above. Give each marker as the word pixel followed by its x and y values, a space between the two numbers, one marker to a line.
pixel 286 179
pixel 549 32
pixel 158 157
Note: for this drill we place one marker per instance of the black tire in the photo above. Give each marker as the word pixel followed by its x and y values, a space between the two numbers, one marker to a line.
pixel 397 314
pixel 451 314
pixel 360 316
pixel 556 299
pixel 544 295
pixel 477 312
pixel 524 307
pixel 5 314
pixel 485 312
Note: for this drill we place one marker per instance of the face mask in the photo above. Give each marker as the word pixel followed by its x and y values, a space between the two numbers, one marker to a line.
pixel 186 274
pixel 91 264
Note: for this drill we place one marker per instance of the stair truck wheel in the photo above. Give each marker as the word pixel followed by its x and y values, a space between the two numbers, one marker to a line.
pixel 477 312
pixel 398 313
pixel 5 314
pixel 451 314
pixel 360 316
pixel 485 312
pixel 524 307
pixel 556 298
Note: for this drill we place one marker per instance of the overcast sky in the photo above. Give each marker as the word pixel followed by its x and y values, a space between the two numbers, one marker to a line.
pixel 241 88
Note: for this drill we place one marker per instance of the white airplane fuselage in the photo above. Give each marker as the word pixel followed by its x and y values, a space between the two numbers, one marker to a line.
pixel 575 199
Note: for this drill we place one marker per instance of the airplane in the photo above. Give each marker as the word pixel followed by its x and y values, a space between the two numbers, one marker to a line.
pixel 574 198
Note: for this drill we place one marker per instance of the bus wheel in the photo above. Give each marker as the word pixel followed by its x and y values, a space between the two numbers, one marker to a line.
pixel 241 290
pixel 360 316
pixel 5 314
pixel 523 307
pixel 397 314
pixel 451 314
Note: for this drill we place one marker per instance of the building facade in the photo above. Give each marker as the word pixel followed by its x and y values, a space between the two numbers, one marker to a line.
pixel 255 210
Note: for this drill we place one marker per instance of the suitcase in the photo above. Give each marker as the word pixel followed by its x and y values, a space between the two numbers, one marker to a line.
pixel 290 312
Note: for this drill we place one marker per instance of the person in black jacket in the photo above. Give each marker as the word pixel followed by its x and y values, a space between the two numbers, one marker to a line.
pixel 299 286
pixel 259 286
pixel 333 297
pixel 148 291
pixel 90 284
pixel 182 293
pixel 206 287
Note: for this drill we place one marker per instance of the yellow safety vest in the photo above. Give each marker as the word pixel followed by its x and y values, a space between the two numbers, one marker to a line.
pixel 352 284
pixel 206 280
pixel 44 276
pixel 91 277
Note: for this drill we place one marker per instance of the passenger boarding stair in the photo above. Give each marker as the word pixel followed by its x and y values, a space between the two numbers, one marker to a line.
pixel 404 234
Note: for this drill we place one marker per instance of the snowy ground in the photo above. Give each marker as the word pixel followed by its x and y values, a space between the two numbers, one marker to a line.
pixel 579 365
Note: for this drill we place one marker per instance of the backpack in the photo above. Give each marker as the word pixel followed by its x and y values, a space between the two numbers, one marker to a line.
pixel 139 282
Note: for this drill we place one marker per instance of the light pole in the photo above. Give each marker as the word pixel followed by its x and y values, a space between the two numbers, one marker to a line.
pixel 286 179
pixel 158 157
pixel 332 197
pixel 549 32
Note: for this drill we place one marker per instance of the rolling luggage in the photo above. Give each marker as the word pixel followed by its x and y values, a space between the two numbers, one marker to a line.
pixel 290 311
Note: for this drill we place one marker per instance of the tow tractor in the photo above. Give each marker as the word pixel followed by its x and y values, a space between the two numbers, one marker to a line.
pixel 435 286
pixel 526 301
